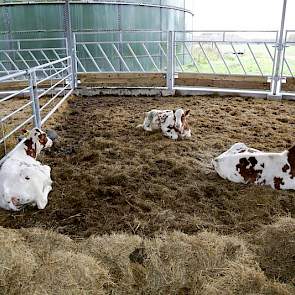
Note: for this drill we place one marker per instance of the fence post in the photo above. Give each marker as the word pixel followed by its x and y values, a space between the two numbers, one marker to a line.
pixel 74 61
pixel 279 59
pixel 35 99
pixel 170 61
pixel 69 42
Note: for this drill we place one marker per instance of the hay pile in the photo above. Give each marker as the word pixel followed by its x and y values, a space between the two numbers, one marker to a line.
pixel 276 250
pixel 34 261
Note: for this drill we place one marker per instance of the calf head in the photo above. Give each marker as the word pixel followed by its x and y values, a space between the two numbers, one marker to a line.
pixel 181 122
pixel 36 140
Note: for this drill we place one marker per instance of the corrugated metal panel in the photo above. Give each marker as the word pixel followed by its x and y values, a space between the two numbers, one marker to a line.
pixel 45 20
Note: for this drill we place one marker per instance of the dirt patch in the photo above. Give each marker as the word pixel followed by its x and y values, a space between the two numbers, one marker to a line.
pixel 111 177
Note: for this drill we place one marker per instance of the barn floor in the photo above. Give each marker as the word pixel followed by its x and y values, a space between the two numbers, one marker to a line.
pixel 111 177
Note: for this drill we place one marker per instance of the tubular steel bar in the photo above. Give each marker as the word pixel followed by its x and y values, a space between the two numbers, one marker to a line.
pixel 35 99
pixel 91 57
pixel 121 58
pixel 238 58
pixel 170 61
pixel 135 57
pixel 222 58
pixel 254 57
pixel 150 57
pixel 206 56
pixel 106 57
pixel 69 41
pixel 56 107
pixel 3 119
pixel 192 58
pixel 276 79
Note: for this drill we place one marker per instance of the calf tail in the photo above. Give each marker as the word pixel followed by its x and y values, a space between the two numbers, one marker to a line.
pixel 139 126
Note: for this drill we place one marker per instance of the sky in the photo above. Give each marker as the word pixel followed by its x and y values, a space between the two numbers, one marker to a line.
pixel 242 14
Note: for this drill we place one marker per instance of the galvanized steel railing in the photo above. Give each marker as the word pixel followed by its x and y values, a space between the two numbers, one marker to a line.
pixel 16 55
pixel 45 97
pixel 259 53
pixel 121 51
pixel 247 53
pixel 289 54
pixel 225 52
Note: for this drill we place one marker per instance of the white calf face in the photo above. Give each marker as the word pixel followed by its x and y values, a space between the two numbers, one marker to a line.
pixel 181 123
pixel 179 114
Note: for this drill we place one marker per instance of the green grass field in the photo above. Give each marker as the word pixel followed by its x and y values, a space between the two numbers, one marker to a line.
pixel 262 66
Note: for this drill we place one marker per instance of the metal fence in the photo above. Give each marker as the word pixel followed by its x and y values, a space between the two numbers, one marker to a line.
pixel 205 52
pixel 247 53
pixel 22 54
pixel 121 51
pixel 226 52
pixel 42 96
pixel 289 54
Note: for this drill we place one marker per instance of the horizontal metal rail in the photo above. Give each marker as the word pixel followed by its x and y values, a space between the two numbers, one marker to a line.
pixel 54 97
pixel 54 85
pixel 56 107
pixel 14 94
pixel 2 140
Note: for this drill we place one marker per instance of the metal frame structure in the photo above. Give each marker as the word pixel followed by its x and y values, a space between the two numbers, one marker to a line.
pixel 122 55
pixel 169 52
pixel 54 89
pixel 223 45
pixel 25 54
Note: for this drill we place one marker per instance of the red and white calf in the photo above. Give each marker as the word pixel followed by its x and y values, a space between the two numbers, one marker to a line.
pixel 247 165
pixel 23 179
pixel 173 124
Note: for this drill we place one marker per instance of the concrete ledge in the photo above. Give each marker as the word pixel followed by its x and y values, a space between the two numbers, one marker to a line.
pixel 114 91
pixel 180 91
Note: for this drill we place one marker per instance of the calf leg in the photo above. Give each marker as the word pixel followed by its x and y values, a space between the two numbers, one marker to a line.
pixel 148 120
pixel 171 133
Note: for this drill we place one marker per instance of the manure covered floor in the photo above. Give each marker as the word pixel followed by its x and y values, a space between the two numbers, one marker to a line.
pixel 111 177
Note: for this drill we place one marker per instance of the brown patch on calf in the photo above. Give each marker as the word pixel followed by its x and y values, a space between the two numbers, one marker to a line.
pixel 286 168
pixel 184 120
pixel 248 173
pixel 291 160
pixel 242 151
pixel 278 181
pixel 43 139
pixel 31 148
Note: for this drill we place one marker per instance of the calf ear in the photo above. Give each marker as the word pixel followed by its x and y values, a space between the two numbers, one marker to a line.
pixel 24 131
pixel 187 113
